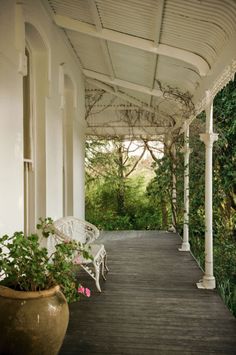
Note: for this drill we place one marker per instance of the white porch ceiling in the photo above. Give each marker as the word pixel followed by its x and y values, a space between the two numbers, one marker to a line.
pixel 141 55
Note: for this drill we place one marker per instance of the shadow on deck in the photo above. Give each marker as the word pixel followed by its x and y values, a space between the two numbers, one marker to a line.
pixel 149 303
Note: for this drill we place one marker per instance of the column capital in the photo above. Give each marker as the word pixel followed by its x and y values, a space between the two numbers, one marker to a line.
pixel 209 138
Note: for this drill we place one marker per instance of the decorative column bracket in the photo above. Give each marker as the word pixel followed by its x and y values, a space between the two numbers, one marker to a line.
pixel 209 138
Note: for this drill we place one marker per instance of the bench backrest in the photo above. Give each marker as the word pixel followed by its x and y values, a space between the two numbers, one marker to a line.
pixel 67 228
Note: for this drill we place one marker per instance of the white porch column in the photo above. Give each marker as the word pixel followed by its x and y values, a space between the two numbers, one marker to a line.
pixel 174 192
pixel 79 170
pixel 185 244
pixel 208 138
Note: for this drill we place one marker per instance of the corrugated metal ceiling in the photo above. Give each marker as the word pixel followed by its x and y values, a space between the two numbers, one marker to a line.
pixel 176 74
pixel 132 64
pixel 200 27
pixel 86 48
pixel 76 9
pixel 134 17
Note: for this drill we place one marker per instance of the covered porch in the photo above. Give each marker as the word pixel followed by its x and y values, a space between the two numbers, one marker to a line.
pixel 102 68
pixel 150 303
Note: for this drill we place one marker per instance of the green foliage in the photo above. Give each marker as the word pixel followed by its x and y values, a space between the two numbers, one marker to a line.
pixel 23 263
pixel 46 226
pixel 26 266
pixel 102 206
pixel 224 190
pixel 160 188
pixel 114 200
pixel 152 209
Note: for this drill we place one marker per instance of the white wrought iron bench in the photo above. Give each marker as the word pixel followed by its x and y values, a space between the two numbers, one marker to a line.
pixel 67 228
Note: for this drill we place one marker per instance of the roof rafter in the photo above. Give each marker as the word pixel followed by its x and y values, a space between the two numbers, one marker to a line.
pixel 119 94
pixel 126 131
pixel 97 20
pixel 135 42
pixel 158 22
pixel 157 36
pixel 134 101
pixel 122 83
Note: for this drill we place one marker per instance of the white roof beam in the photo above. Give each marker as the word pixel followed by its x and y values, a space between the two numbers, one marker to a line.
pixel 120 94
pixel 158 22
pixel 135 42
pixel 122 83
pixel 116 108
pixel 135 102
pixel 157 36
pixel 98 24
pixel 149 132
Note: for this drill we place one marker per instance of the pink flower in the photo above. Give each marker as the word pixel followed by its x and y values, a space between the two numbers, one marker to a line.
pixel 84 291
pixel 87 292
pixel 81 290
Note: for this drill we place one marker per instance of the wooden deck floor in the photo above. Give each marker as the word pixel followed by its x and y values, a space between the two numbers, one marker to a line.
pixel 149 304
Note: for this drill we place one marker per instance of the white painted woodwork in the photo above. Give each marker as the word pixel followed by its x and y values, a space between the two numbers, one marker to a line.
pixel 68 120
pixel 29 22
pixel 29 145
pixel 79 135
pixel 11 128
pixel 71 228
pixel 127 132
pixel 174 187
pixel 122 83
pixel 157 36
pixel 112 46
pixel 158 22
pixel 139 43
pixel 38 71
pixel 153 45
pixel 185 244
pixel 208 138
pixel 97 20
pixel 119 94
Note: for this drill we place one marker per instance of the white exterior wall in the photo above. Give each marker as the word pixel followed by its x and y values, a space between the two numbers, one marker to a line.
pixel 79 170
pixel 12 44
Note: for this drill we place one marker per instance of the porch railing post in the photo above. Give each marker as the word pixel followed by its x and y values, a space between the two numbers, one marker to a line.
pixel 208 138
pixel 185 244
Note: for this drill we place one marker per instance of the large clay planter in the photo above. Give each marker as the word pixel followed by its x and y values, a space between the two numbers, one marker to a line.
pixel 32 323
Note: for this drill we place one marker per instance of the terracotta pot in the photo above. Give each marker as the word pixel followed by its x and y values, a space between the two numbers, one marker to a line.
pixel 32 322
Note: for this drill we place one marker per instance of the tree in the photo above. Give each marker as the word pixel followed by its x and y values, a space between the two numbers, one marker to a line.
pixel 166 165
pixel 110 164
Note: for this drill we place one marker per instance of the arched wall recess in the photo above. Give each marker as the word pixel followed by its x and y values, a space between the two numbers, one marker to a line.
pixel 68 84
pixel 41 41
pixel 35 169
pixel 68 142
pixel 67 73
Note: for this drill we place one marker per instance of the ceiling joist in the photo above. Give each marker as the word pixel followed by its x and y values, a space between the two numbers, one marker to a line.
pixel 157 36
pixel 122 83
pixel 104 46
pixel 135 42
pixel 119 94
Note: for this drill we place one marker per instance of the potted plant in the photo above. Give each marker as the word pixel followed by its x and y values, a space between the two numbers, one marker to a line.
pixel 34 290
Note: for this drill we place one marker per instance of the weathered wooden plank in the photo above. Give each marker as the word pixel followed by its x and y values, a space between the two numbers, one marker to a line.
pixel 149 304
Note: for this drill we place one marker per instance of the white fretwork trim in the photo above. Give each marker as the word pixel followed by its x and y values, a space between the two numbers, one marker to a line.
pixel 223 79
